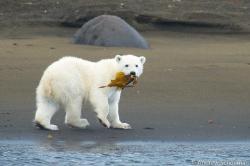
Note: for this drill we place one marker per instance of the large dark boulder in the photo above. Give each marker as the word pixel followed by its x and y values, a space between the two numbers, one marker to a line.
pixel 108 30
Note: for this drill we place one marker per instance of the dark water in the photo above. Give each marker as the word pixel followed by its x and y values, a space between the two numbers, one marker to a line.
pixel 124 153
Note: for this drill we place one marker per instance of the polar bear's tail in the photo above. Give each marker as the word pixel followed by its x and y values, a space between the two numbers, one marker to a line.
pixel 47 88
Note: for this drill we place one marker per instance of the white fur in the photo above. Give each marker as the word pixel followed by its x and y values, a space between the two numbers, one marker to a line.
pixel 70 80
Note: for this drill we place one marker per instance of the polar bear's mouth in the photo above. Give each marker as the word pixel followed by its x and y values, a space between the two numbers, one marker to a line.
pixel 122 81
pixel 131 76
pixel 132 80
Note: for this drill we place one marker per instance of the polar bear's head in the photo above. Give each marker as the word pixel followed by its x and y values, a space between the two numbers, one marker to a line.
pixel 130 64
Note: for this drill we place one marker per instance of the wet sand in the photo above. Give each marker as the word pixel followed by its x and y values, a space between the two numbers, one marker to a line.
pixel 194 87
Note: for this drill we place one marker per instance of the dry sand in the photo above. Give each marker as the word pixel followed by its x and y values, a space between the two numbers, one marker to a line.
pixel 194 87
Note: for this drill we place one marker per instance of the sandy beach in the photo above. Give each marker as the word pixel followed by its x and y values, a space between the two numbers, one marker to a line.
pixel 195 86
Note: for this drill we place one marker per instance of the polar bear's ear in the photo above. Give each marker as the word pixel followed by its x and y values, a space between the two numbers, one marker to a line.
pixel 118 58
pixel 142 59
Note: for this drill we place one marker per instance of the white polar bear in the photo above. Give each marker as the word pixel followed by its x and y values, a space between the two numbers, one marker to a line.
pixel 70 80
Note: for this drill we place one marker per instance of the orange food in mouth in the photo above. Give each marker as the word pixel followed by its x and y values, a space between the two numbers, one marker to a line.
pixel 122 81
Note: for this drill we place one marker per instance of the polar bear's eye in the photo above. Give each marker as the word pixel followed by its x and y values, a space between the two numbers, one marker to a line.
pixel 136 65
pixel 126 65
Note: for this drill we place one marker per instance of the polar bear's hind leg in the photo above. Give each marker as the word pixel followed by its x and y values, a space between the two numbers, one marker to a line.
pixel 45 111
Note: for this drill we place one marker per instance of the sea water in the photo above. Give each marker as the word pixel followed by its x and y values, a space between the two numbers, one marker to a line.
pixel 124 153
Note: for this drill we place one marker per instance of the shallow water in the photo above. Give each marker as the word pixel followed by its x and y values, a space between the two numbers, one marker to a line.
pixel 124 153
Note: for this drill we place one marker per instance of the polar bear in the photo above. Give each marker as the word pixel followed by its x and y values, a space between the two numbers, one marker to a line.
pixel 69 81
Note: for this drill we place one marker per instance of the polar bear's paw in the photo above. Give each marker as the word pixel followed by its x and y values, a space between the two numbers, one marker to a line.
pixel 82 123
pixel 46 127
pixel 121 125
pixel 53 127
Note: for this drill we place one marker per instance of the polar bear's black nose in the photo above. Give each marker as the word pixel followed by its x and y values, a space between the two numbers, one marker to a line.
pixel 132 73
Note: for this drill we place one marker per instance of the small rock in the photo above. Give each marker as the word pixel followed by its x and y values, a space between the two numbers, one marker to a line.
pixel 210 121
pixel 148 128
pixel 50 136
pixel 28 3
pixel 122 5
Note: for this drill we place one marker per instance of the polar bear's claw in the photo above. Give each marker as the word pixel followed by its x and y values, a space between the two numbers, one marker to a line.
pixel 40 126
pixel 105 125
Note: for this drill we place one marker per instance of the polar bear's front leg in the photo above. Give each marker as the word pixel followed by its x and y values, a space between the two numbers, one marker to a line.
pixel 100 103
pixel 114 113
pixel 73 114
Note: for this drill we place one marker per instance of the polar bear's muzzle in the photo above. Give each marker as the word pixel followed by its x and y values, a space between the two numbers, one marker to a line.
pixel 132 73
